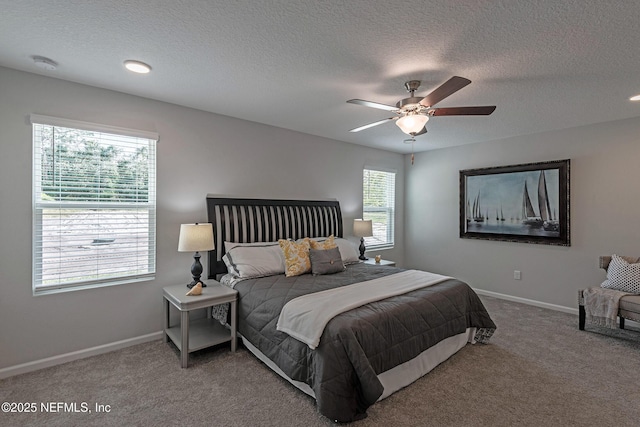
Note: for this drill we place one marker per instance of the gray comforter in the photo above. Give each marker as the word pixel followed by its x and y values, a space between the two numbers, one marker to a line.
pixel 359 344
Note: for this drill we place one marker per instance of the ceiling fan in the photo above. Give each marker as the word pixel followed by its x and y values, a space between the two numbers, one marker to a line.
pixel 412 114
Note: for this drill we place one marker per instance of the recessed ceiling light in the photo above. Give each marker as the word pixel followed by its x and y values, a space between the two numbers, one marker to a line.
pixel 137 66
pixel 44 63
pixel 635 98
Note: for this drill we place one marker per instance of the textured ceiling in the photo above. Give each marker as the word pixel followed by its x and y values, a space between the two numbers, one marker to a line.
pixel 546 65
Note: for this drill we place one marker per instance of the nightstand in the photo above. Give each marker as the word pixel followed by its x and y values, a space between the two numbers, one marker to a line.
pixel 382 262
pixel 200 333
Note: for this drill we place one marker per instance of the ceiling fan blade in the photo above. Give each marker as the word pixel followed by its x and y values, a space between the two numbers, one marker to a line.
pixel 372 104
pixel 447 88
pixel 370 125
pixel 463 111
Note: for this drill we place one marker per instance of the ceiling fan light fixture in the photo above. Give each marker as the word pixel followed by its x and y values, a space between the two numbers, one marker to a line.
pixel 635 98
pixel 412 123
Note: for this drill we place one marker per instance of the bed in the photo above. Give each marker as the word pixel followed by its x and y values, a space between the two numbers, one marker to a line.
pixel 367 350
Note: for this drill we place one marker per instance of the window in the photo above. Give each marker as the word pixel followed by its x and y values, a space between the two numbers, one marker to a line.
pixel 378 200
pixel 94 210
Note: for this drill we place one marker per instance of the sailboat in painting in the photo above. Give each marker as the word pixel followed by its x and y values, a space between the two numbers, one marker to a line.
pixel 529 216
pixel 548 222
pixel 545 219
pixel 477 216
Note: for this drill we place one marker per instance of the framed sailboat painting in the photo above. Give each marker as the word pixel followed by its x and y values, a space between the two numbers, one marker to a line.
pixel 526 203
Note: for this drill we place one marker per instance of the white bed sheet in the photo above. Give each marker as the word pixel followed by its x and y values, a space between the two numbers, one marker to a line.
pixel 395 378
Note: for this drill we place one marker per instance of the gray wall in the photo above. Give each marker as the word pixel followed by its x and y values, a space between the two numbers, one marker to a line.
pixel 605 206
pixel 198 153
pixel 201 153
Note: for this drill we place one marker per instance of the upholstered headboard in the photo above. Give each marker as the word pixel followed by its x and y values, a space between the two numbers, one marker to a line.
pixel 265 220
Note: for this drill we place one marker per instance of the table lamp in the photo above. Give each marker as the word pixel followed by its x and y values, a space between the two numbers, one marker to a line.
pixel 195 238
pixel 362 228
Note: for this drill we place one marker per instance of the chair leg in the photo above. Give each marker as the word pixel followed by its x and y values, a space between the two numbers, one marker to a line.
pixel 621 322
pixel 581 317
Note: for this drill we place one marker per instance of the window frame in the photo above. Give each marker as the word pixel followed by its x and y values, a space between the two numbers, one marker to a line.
pixel 39 206
pixel 389 209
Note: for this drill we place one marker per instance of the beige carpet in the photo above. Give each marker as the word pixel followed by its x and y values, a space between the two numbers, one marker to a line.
pixel 539 370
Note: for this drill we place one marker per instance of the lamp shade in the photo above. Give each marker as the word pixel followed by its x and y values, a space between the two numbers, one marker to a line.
pixel 362 227
pixel 195 237
pixel 412 123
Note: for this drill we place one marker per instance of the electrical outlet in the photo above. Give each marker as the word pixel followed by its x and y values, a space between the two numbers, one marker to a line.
pixel 516 274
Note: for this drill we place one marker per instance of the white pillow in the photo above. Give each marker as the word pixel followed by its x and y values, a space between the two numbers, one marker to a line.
pixel 347 249
pixel 622 276
pixel 247 260
pixel 231 281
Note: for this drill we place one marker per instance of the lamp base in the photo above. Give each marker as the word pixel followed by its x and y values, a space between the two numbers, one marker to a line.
pixel 362 250
pixel 195 282
pixel 196 272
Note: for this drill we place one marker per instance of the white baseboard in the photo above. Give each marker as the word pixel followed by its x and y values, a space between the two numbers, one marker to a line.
pixel 75 355
pixel 528 301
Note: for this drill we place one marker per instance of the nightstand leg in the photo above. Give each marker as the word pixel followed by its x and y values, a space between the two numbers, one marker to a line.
pixel 166 319
pixel 184 330
pixel 233 326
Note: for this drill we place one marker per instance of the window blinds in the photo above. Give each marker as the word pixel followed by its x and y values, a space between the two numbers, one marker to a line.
pixel 94 204
pixel 378 199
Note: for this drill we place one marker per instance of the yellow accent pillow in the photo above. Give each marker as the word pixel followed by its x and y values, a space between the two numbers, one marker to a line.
pixel 329 243
pixel 296 257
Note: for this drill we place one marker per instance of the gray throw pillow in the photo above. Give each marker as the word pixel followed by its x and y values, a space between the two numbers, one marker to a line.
pixel 325 261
